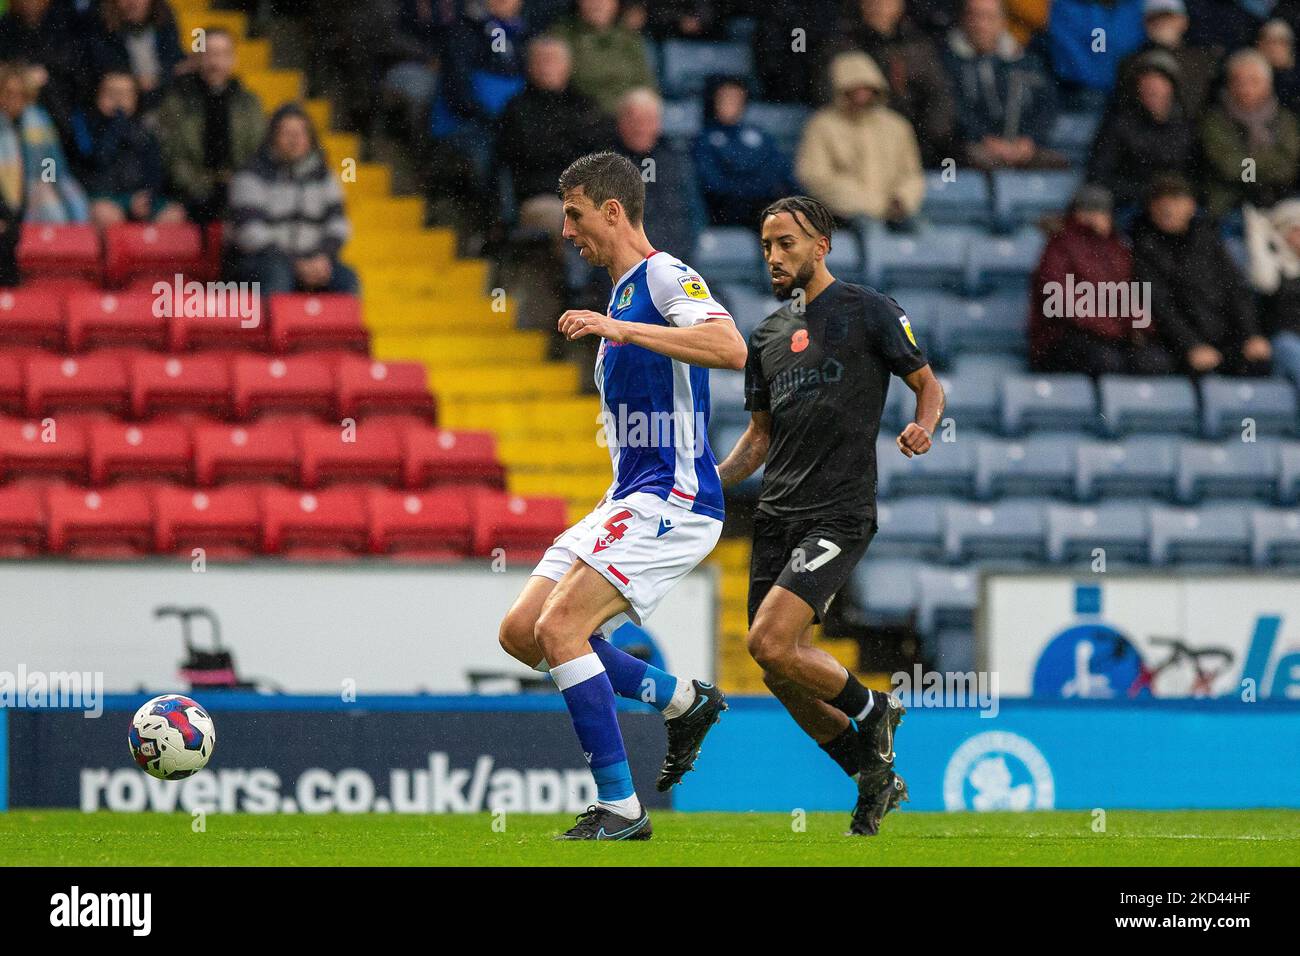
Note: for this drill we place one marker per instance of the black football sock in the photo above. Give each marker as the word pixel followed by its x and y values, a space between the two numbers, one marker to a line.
pixel 854 700
pixel 844 750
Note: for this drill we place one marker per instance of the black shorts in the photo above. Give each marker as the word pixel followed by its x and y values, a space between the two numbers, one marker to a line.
pixel 811 557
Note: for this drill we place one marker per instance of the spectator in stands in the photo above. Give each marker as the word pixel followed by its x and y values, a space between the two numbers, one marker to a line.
pixel 792 41
pixel 673 207
pixel 1005 98
pixel 286 213
pixel 1086 63
pixel 1026 19
pixel 411 77
pixel 543 129
pixel 29 149
pixel 858 156
pixel 1277 42
pixel 209 125
pixel 117 158
pixel 1146 132
pixel 1246 132
pixel 1273 244
pixel 608 58
pixel 678 19
pixel 1201 307
pixel 740 167
pixel 138 37
pixel 1165 23
pixel 1224 25
pixel 1075 325
pixel 919 87
pixel 44 36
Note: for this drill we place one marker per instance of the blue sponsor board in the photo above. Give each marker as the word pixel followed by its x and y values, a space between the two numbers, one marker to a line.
pixel 1032 754
pixel 466 754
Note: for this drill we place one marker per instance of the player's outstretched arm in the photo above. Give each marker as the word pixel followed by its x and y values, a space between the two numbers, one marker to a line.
pixel 713 344
pixel 915 438
pixel 750 451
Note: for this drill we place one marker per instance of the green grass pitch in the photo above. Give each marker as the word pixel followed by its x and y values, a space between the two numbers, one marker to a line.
pixel 1059 838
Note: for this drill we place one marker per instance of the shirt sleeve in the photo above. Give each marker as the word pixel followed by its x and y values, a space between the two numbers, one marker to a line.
pixel 681 295
pixel 895 338
pixel 757 398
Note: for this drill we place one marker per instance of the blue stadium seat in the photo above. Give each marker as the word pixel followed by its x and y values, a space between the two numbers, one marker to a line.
pixel 1063 402
pixel 1212 534
pixel 946 598
pixel 1073 134
pixel 962 199
pixel 1005 530
pixel 747 307
pixel 946 469
pixel 1226 402
pixel 728 254
pixel 910 528
pixel 722 438
pixel 687 64
pixel 1121 529
pixel 1275 536
pixel 928 255
pixel 727 396
pixel 1131 404
pixel 1232 469
pixel 885 589
pixel 683 119
pixel 845 259
pixel 899 408
pixel 784 122
pixel 1021 197
pixel 994 323
pixel 1005 262
pixel 1288 473
pixel 1040 465
pixel 950 651
pixel 972 398
pixel 1140 466
pixel 999 364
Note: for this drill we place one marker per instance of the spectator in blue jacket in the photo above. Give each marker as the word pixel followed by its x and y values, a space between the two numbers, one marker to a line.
pixel 1005 97
pixel 1087 39
pixel 739 166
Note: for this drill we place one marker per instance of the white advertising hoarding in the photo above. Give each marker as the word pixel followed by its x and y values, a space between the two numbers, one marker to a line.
pixel 1142 635
pixel 304 628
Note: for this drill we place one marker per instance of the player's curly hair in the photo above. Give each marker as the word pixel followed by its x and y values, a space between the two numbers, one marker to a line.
pixel 605 176
pixel 810 215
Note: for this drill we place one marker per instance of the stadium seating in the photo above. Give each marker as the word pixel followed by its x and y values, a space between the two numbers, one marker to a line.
pixel 1230 406
pixel 1132 404
pixel 102 319
pixel 1062 402
pixel 687 64
pixel 1023 197
pixel 1211 535
pixel 50 251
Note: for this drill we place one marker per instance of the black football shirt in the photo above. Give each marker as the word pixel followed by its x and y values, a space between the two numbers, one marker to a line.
pixel 822 370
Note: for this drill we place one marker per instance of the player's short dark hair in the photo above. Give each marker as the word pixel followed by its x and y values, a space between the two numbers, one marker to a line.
pixel 810 215
pixel 605 176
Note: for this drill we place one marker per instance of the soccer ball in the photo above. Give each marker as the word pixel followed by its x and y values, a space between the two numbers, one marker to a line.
pixel 171 737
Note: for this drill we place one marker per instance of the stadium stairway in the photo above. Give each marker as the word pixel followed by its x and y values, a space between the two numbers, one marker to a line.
pixel 421 303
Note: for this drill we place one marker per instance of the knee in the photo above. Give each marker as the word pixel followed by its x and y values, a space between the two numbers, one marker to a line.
pixel 516 636
pixel 555 635
pixel 769 651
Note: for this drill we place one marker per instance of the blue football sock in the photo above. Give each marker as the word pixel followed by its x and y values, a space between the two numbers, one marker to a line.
pixel 590 699
pixel 632 677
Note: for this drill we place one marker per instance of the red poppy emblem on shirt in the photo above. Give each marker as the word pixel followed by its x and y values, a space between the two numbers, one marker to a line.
pixel 799 341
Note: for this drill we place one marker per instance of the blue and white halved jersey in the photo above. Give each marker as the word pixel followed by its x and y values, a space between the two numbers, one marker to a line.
pixel 655 410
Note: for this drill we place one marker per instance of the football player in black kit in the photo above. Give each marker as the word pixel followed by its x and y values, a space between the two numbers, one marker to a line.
pixel 815 386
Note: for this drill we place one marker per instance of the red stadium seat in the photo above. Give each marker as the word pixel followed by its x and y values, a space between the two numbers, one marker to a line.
pixel 13 396
pixel 222 324
pixel 328 522
pixel 49 250
pixel 366 385
pixel 100 319
pixel 296 383
pixel 436 524
pixel 32 318
pixel 523 527
pixel 48 448
pixel 254 452
pixel 180 382
pixel 93 380
pixel 302 322
pixel 100 521
pixel 222 521
pixel 135 250
pixel 146 450
pixel 440 456
pixel 22 519
pixel 364 452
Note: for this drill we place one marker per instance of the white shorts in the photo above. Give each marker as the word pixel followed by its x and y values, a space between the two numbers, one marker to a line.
pixel 641 544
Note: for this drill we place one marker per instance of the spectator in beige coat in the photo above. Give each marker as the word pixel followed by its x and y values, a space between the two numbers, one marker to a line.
pixel 857 155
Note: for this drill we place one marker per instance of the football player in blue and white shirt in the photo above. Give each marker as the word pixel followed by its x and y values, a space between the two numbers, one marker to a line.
pixel 662 514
